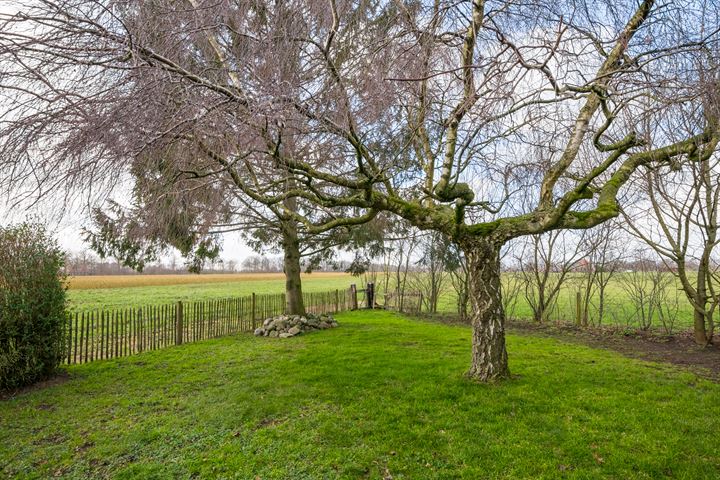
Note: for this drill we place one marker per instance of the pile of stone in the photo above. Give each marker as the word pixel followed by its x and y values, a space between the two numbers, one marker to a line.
pixel 286 326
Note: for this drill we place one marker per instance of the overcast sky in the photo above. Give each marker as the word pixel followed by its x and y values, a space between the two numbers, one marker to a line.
pixel 67 227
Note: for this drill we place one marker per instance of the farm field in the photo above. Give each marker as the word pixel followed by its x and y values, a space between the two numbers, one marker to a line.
pixel 128 281
pixel 382 396
pixel 619 308
pixel 111 292
pixel 122 291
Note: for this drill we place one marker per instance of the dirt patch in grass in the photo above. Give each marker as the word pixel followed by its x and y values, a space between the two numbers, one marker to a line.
pixel 269 422
pixel 679 348
pixel 58 379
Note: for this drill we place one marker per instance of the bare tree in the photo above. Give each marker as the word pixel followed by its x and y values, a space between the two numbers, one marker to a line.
pixel 485 122
pixel 669 309
pixel 402 252
pixel 513 284
pixel 647 288
pixel 434 263
pixel 679 222
pixel 261 263
pixel 546 264
pixel 460 279
pixel 604 251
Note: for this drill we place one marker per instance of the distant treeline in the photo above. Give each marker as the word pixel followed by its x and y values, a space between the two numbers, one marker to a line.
pixel 88 263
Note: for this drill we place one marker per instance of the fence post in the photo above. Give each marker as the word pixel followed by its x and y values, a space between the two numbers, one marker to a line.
pixel 578 308
pixel 370 295
pixel 337 300
pixel 252 306
pixel 179 324
pixel 420 303
pixel 141 329
pixel 69 339
pixel 353 297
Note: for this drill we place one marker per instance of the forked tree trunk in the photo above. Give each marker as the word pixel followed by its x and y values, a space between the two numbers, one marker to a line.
pixel 294 304
pixel 489 356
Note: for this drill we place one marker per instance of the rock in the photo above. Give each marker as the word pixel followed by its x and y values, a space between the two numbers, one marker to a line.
pixel 286 326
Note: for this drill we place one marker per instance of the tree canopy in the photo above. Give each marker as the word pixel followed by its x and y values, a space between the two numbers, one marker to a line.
pixel 483 120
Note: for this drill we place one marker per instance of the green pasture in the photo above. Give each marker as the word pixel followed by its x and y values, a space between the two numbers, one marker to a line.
pixel 619 307
pixel 619 310
pixel 112 298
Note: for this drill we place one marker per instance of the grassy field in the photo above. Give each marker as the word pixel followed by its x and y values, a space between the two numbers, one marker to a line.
pixel 110 292
pixel 380 397
pixel 128 281
pixel 96 292
pixel 619 309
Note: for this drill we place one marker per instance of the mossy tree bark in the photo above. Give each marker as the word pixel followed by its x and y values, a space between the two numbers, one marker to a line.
pixel 489 355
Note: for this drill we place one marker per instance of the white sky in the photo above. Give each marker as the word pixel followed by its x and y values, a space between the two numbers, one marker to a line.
pixel 67 229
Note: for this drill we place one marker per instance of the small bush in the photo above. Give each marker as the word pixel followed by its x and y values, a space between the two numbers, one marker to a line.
pixel 32 305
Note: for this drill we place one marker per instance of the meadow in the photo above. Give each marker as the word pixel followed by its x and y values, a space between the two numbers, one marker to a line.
pixel 140 280
pixel 123 291
pixel 383 396
pixel 619 308
pixel 111 292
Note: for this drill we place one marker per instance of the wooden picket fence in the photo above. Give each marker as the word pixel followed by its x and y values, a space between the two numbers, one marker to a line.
pixel 112 333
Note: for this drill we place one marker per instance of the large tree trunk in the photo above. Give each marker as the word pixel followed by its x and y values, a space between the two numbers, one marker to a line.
pixel 489 356
pixel 291 265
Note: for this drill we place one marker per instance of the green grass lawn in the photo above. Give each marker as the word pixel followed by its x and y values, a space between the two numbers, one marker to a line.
pixel 380 396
